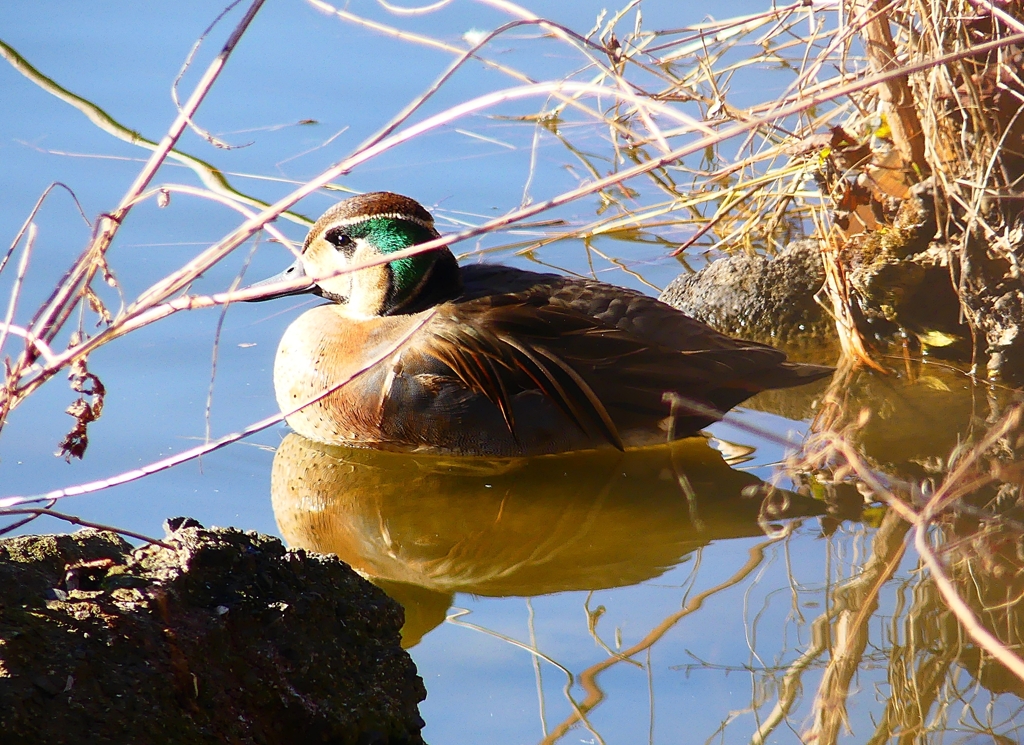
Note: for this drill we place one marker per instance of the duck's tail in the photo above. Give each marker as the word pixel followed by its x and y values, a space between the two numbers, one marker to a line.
pixel 790 374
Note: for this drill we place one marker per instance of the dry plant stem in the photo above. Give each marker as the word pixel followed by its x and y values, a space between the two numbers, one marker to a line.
pixel 792 685
pixel 588 678
pixel 525 17
pixel 162 290
pixel 418 102
pixel 789 690
pixel 207 174
pixel 46 512
pixel 18 280
pixel 42 349
pixel 221 199
pixel 954 486
pixel 147 470
pixel 1002 15
pixel 712 31
pixel 963 612
pixel 456 620
pixel 720 214
pixel 721 35
pixel 923 688
pixel 222 248
pixel 584 45
pixel 941 500
pixel 856 603
pixel 181 73
pixel 810 71
pixel 592 619
pixel 528 20
pixel 58 309
pixel 409 36
pixel 216 252
pixel 885 560
pixel 186 112
pixel 48 322
pixel 895 93
pixel 836 288
pixel 780 149
pixel 421 10
pixel 18 524
pixel 32 216
pixel 208 447
pixel 215 355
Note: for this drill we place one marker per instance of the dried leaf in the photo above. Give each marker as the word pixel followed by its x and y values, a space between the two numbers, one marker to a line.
pixel 887 177
pixel 97 305
pixel 937 339
pixel 84 410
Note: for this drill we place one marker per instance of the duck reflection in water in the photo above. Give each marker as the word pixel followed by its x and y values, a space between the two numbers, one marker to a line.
pixel 424 527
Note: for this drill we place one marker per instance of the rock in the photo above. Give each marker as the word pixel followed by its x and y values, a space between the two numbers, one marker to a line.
pixel 226 637
pixel 900 276
pixel 900 287
pixel 993 300
pixel 769 300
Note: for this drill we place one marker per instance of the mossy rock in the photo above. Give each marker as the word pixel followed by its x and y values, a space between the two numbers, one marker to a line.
pixel 225 637
pixel 764 299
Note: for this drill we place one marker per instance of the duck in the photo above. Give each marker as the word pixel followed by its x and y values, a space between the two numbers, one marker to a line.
pixel 421 354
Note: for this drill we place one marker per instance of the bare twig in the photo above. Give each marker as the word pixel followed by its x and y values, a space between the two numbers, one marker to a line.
pixel 47 512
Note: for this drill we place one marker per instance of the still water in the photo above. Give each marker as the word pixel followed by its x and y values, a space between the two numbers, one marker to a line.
pixel 644 597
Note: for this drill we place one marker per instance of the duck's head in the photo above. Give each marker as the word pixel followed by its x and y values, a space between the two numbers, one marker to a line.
pixel 359 230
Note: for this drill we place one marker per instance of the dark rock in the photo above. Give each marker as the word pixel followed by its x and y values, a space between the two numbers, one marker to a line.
pixel 901 291
pixel 227 637
pixel 770 300
pixel 993 300
pixel 901 277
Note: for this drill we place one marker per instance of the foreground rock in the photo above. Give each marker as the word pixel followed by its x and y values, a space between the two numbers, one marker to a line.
pixel 226 637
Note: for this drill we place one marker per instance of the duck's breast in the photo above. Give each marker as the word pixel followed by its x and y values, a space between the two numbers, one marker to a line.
pixel 380 383
pixel 330 371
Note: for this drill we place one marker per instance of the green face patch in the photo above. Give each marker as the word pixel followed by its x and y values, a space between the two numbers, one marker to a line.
pixel 389 235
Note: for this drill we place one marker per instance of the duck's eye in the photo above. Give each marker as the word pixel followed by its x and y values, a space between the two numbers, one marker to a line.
pixel 337 238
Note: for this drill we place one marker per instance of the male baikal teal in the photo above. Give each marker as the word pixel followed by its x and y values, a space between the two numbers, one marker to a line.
pixel 421 354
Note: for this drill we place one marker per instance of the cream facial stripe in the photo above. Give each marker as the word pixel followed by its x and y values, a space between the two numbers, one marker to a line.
pixel 346 222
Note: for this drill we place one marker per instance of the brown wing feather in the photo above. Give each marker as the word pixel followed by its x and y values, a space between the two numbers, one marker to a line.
pixel 606 357
pixel 598 408
pixel 580 364
pixel 640 315
pixel 478 362
pixel 499 365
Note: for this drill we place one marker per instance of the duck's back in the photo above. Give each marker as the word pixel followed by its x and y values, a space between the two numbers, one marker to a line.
pixel 638 354
pixel 639 315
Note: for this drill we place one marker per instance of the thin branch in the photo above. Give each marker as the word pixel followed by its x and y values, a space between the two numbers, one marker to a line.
pixel 46 512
